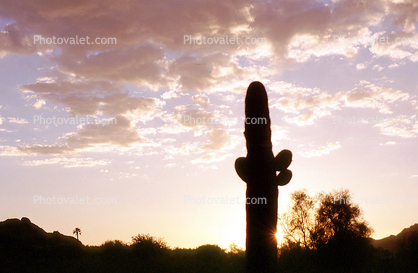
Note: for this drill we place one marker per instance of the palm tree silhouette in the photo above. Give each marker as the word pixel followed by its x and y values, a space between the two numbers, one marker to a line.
pixel 77 231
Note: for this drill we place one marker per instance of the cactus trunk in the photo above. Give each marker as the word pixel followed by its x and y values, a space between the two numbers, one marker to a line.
pixel 259 170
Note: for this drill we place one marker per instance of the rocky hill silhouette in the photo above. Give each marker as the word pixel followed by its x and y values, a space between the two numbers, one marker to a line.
pixel 18 233
pixel 25 247
pixel 394 242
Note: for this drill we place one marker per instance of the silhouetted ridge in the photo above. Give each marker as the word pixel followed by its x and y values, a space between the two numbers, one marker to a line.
pixel 392 242
pixel 15 232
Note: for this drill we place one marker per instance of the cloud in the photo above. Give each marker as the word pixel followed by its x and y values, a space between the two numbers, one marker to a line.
pixel 135 108
pixel 311 104
pixel 218 139
pixel 11 151
pixel 138 65
pixel 310 31
pixel 129 21
pixel 210 157
pixel 156 56
pixel 133 24
pixel 361 66
pixel 186 148
pixel 81 98
pixel 394 65
pixel 68 162
pixel 388 143
pixel 172 129
pixel 193 75
pixel 38 104
pixel 170 95
pixel 395 51
pixel 278 133
pixel 61 84
pixel 309 117
pixel 401 126
pixel 404 13
pixel 372 96
pixel 151 57
pixel 189 117
pixel 16 39
pixel 377 67
pixel 214 149
pixel 140 56
pixel 201 100
pixel 321 150
pixel 18 120
pixel 91 136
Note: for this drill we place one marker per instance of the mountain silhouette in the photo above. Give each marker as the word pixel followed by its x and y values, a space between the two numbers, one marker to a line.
pixel 15 232
pixel 392 242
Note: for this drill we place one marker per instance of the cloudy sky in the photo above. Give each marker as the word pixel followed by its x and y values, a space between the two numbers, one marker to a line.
pixel 137 108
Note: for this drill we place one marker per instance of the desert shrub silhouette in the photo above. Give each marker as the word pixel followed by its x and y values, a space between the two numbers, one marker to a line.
pixel 148 247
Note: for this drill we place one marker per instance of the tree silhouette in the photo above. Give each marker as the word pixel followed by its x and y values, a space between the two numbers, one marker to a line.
pixel 77 231
pixel 325 233
pixel 337 217
pixel 297 223
pixel 340 235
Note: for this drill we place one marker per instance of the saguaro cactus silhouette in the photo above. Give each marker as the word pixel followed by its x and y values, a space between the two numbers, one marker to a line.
pixel 263 173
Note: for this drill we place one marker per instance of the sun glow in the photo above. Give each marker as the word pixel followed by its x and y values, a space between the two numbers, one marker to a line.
pixel 279 236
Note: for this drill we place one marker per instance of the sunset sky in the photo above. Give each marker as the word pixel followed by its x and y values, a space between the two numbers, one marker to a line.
pixel 342 82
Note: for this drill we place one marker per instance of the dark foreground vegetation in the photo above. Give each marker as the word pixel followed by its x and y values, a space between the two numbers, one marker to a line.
pixel 115 256
pixel 321 234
